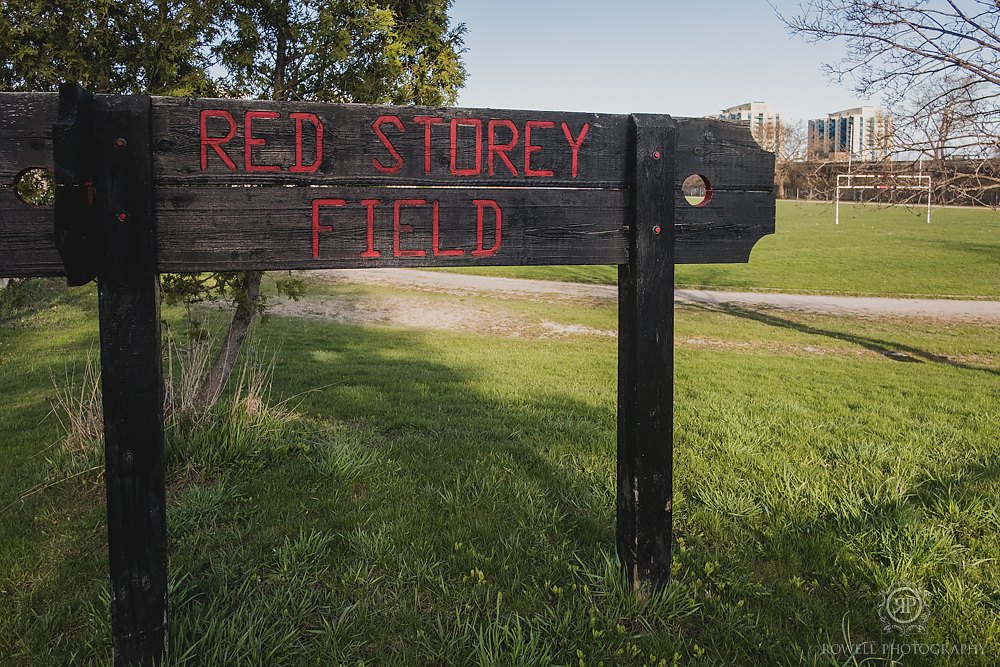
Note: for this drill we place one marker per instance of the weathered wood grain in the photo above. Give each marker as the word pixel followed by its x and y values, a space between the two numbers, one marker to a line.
pixel 25 133
pixel 27 246
pixel 131 381
pixel 555 219
pixel 271 228
pixel 224 228
pixel 645 360
pixel 263 228
pixel 77 234
pixel 725 153
pixel 27 240
pixel 724 231
pixel 350 145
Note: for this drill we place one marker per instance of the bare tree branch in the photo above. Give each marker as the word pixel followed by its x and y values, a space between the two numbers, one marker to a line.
pixel 936 64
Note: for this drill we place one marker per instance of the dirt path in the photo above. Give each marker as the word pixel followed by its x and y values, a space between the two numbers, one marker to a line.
pixel 412 310
pixel 461 283
pixel 453 283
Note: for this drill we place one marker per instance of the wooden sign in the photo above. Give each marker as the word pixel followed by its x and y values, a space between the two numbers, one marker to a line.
pixel 150 185
pixel 388 186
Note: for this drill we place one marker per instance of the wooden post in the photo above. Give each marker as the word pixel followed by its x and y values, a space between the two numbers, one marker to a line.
pixel 645 358
pixel 132 378
pixel 73 155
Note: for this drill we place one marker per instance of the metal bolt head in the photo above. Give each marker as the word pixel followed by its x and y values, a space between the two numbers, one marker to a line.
pixel 123 216
pixel 656 155
pixel 656 229
pixel 120 142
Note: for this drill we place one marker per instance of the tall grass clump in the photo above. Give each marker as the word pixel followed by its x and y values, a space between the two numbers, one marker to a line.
pixel 245 427
pixel 76 405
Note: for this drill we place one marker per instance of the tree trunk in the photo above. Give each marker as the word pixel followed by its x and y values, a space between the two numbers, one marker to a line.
pixel 246 307
pixel 212 385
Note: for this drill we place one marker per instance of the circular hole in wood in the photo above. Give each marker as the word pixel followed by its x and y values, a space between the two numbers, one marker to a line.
pixel 697 190
pixel 36 187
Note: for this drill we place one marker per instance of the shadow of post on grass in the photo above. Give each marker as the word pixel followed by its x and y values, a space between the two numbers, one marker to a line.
pixel 889 349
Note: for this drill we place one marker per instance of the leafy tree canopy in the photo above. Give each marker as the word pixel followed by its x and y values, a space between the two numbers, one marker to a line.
pixel 371 51
pixel 108 46
pixel 395 52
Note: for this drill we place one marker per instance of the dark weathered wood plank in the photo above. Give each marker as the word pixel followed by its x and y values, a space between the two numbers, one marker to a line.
pixel 264 222
pixel 645 361
pixel 724 231
pixel 725 153
pixel 266 228
pixel 272 228
pixel 76 235
pixel 197 237
pixel 27 243
pixel 351 144
pixel 25 132
pixel 742 206
pixel 132 380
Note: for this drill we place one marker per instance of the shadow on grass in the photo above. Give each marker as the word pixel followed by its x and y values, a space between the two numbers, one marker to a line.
pixel 521 470
pixel 23 298
pixel 889 349
pixel 986 250
pixel 443 432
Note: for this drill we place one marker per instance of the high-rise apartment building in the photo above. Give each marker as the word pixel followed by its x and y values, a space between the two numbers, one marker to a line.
pixel 862 133
pixel 765 125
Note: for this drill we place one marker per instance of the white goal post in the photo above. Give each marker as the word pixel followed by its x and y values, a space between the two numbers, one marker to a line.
pixel 920 183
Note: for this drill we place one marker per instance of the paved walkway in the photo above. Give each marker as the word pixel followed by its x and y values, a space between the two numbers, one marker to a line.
pixel 850 305
pixel 834 305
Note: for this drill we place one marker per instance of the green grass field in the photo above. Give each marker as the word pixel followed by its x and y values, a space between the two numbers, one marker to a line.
pixel 436 498
pixel 873 251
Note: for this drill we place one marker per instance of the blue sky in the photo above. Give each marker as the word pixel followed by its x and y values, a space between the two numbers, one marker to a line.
pixel 679 57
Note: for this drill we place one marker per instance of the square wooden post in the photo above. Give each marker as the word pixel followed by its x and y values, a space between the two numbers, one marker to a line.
pixel 132 377
pixel 645 358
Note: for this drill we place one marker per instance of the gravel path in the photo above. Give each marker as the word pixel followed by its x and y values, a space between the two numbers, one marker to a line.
pixel 463 282
pixel 834 305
